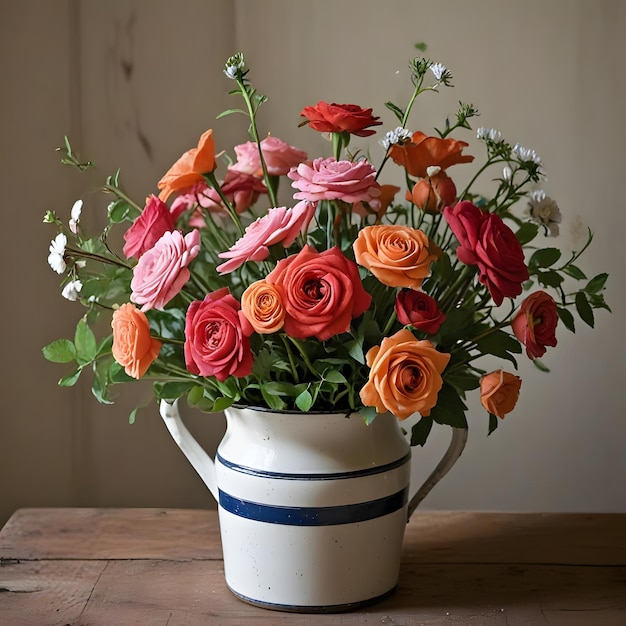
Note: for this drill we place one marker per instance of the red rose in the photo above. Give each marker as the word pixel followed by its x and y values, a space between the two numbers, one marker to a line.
pixel 322 292
pixel 535 323
pixel 419 310
pixel 486 241
pixel 215 344
pixel 340 118
pixel 153 222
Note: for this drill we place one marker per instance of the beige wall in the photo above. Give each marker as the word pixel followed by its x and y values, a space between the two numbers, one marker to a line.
pixel 135 82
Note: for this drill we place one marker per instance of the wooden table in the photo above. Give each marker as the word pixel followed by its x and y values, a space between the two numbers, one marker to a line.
pixel 117 567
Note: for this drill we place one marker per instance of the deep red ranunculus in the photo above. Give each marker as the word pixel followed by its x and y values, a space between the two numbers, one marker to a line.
pixel 340 118
pixel 419 310
pixel 535 323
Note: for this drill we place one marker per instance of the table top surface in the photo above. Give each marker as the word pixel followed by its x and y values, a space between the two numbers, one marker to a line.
pixel 110 567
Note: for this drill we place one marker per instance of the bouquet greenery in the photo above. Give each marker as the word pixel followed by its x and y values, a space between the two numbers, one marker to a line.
pixel 360 297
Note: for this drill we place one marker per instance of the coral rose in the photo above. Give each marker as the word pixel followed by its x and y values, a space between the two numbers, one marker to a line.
pixel 340 118
pixel 279 157
pixel 486 241
pixel 419 310
pixel 405 375
pixel 190 167
pixel 215 344
pixel 535 323
pixel 322 292
pixel 162 271
pixel 133 347
pixel 422 152
pixel 399 256
pixel 155 220
pixel 262 309
pixel 329 179
pixel 499 392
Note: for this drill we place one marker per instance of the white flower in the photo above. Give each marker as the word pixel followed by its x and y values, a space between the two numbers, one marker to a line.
pixel 397 135
pixel 56 258
pixel 438 70
pixel 545 211
pixel 234 66
pixel 77 207
pixel 72 289
pixel 507 173
pixel 489 134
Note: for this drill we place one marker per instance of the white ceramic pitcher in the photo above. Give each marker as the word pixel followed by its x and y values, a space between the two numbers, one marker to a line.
pixel 312 506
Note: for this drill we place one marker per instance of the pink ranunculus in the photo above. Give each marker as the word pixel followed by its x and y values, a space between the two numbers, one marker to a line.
pixel 148 228
pixel 278 225
pixel 486 241
pixel 279 157
pixel 419 310
pixel 329 179
pixel 215 344
pixel 241 189
pixel 192 197
pixel 162 271
pixel 535 323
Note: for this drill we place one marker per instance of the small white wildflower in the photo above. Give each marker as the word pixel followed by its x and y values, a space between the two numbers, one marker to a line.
pixel 489 134
pixel 432 170
pixel 526 154
pixel 507 173
pixel 397 135
pixel 92 299
pixel 544 211
pixel 56 258
pixel 234 66
pixel 438 70
pixel 72 289
pixel 77 207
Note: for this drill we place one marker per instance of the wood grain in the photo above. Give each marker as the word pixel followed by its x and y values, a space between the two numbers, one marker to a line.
pixel 109 567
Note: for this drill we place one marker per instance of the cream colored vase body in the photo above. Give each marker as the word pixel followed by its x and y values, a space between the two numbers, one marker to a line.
pixel 312 506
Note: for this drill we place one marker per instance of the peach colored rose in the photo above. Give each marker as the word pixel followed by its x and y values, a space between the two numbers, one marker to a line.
pixel 422 152
pixel 279 157
pixel 162 271
pixel 340 118
pixel 215 344
pixel 329 179
pixel 399 256
pixel 405 375
pixel 262 309
pixel 499 392
pixel 535 323
pixel 322 292
pixel 155 220
pixel 419 310
pixel 133 347
pixel 190 167
pixel 433 193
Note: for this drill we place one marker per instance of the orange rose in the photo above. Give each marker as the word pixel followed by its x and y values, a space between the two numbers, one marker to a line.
pixel 133 347
pixel 262 309
pixel 405 375
pixel 422 152
pixel 190 167
pixel 433 193
pixel 398 256
pixel 499 392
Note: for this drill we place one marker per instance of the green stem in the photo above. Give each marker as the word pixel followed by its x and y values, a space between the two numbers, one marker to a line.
pixel 212 180
pixel 122 196
pixel 305 357
pixel 76 252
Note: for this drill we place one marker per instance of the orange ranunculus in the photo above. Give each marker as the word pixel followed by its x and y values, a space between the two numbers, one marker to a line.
pixel 433 193
pixel 190 167
pixel 133 347
pixel 499 392
pixel 422 152
pixel 535 323
pixel 399 256
pixel 405 375
pixel 262 309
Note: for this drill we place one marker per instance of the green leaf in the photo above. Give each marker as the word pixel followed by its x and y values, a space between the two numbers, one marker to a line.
pixel 396 110
pixel 119 211
pixel 567 318
pixel 541 366
pixel 173 390
pixel 70 380
pixel 304 401
pixel 333 376
pixel 550 278
pixel 85 341
pixel 222 403
pixel 575 272
pixel 493 423
pixel 545 257
pixel 60 351
pixel 273 401
pixel 133 414
pixel 368 413
pixel 464 381
pixel 500 344
pixel 420 431
pixel 450 409
pixel 597 283
pixel 584 309
pixel 527 232
pixel 231 111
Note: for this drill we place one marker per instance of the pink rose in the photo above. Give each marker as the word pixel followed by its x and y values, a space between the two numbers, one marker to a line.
pixel 279 157
pixel 241 189
pixel 419 310
pixel 214 341
pixel 486 241
pixel 535 323
pixel 321 291
pixel 148 228
pixel 329 179
pixel 278 225
pixel 162 271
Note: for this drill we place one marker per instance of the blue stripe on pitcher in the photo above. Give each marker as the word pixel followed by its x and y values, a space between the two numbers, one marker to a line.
pixel 368 471
pixel 313 516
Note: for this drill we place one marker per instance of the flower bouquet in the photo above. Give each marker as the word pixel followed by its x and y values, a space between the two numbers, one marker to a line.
pixel 359 296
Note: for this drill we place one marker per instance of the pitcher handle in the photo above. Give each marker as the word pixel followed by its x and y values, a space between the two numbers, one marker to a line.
pixel 199 459
pixel 451 456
